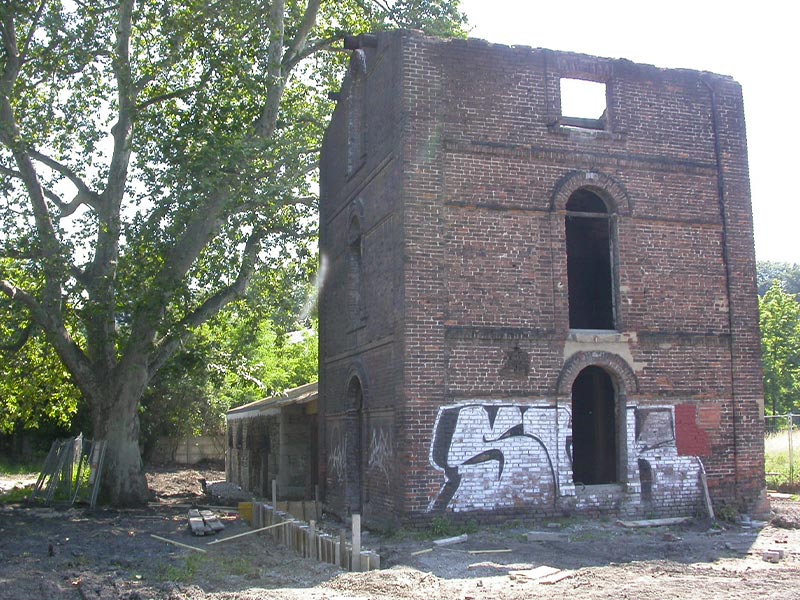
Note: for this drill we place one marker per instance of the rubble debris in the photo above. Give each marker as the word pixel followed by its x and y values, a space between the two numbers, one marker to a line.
pixel 204 522
pixel 226 493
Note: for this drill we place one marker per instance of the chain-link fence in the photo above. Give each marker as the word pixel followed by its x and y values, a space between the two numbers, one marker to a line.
pixel 781 450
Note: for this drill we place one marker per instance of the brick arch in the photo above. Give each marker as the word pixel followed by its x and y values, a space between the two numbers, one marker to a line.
pixel 355 220
pixel 613 363
pixel 609 189
pixel 357 372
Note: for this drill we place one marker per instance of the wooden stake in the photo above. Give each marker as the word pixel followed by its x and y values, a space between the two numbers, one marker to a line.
pixel 251 532
pixel 356 542
pixel 312 530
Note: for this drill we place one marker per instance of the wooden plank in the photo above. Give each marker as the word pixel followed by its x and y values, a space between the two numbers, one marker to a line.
pixel 497 551
pixel 425 551
pixel 251 532
pixel 533 574
pixel 451 540
pixel 555 577
pixel 546 536
pixel 163 539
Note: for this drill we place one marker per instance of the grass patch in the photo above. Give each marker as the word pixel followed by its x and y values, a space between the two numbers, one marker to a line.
pixel 776 461
pixel 442 527
pixel 15 496
pixel 26 467
pixel 191 567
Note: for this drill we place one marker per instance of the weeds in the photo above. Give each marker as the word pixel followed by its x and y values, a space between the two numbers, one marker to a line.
pixel 444 527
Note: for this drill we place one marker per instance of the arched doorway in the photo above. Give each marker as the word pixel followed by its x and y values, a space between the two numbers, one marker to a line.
pixel 354 455
pixel 595 455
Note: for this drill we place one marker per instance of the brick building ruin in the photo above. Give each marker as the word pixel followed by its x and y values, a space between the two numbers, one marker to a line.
pixel 528 311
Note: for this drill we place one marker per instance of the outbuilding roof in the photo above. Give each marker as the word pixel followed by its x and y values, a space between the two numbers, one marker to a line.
pixel 270 406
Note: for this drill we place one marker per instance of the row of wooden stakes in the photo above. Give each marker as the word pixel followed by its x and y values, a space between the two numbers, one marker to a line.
pixel 309 541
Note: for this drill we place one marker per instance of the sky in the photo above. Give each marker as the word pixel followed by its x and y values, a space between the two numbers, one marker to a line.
pixel 756 43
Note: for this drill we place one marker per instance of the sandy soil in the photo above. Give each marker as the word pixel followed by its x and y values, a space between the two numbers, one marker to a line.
pixel 75 554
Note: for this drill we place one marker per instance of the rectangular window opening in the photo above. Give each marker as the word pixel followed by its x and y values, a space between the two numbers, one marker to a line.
pixel 583 103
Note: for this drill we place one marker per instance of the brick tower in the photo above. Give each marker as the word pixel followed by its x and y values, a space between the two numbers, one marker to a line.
pixel 528 310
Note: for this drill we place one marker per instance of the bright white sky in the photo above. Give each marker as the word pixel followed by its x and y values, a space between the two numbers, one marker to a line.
pixel 757 43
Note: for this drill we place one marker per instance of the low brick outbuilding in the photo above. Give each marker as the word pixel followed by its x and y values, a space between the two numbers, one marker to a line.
pixel 275 439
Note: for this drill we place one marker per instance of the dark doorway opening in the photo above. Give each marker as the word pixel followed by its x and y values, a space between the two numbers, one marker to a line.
pixel 594 428
pixel 589 271
pixel 354 454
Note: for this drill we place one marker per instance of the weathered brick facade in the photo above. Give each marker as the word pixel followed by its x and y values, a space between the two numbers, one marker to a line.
pixel 466 224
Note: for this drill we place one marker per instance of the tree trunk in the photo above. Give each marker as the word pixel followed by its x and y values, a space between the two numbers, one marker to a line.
pixel 116 420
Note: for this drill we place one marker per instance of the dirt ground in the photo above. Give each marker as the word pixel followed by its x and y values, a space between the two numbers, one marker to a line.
pixel 76 554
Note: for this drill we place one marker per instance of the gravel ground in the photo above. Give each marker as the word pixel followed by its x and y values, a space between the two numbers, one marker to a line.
pixel 75 554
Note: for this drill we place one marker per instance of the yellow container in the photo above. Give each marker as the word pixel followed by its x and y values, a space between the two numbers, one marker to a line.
pixel 246 511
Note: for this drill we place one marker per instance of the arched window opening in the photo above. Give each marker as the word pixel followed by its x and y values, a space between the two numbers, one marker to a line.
pixel 589 264
pixel 355 267
pixel 354 454
pixel 594 428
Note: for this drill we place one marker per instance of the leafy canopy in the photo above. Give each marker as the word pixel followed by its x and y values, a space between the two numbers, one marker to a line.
pixel 779 318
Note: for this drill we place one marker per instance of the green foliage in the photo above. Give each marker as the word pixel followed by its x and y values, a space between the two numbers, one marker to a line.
pixel 727 513
pixel 15 495
pixel 787 273
pixel 232 360
pixel 443 526
pixel 36 390
pixel 779 319
pixel 155 158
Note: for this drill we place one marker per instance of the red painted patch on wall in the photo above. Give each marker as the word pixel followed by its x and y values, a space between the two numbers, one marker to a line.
pixel 690 439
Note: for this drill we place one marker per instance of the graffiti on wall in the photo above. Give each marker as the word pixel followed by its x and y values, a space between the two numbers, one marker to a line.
pixel 664 474
pixel 337 461
pixel 380 452
pixel 497 455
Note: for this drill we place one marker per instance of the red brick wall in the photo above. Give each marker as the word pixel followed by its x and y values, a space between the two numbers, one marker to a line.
pixel 463 192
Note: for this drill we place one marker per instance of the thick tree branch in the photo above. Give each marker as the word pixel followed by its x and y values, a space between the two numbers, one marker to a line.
pixel 101 330
pixel 53 266
pixel 299 41
pixel 84 195
pixel 167 346
pixel 66 348
pixel 276 78
pixel 172 95
pixel 10 172
pixel 177 262
pixel 311 48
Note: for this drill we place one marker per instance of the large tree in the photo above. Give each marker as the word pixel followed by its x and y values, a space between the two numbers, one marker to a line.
pixel 153 155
